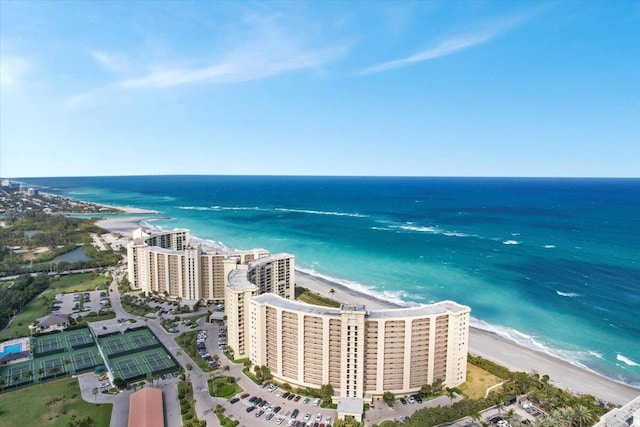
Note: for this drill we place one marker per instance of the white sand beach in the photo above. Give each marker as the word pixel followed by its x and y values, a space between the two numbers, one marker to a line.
pixel 481 343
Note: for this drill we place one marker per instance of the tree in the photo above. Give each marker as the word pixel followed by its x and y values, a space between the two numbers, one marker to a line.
pixel 426 390
pixel 2 383
pixel 95 394
pixel 332 291
pixel 54 371
pixel 119 382
pixel 326 393
pixel 582 417
pixel 388 397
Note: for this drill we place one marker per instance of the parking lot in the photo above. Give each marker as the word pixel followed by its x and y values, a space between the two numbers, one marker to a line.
pixel 70 303
pixel 271 405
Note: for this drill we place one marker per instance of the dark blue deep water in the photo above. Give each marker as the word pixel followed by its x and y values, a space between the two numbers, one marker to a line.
pixel 553 264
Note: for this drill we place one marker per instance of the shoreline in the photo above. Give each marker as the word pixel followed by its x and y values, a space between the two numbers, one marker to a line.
pixel 486 344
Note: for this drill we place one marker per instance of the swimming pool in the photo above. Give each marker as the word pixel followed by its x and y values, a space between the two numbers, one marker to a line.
pixel 11 348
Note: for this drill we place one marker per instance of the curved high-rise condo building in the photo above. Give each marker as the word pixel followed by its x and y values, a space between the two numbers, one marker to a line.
pixel 361 353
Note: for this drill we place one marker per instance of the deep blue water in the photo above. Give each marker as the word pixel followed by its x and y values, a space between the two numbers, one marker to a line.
pixel 553 264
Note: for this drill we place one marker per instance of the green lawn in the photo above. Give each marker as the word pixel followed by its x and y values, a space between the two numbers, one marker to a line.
pixel 41 306
pixel 28 406
pixel 219 387
pixel 305 295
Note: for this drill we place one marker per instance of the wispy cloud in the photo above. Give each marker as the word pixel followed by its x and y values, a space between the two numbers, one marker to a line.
pixel 11 70
pixel 452 45
pixel 269 49
pixel 243 65
pixel 113 63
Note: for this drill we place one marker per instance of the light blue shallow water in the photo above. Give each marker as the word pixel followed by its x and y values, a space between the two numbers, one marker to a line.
pixel 553 264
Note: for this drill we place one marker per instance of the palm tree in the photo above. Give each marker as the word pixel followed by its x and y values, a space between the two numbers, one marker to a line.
pixel 582 417
pixel 332 291
pixel 2 383
pixel 67 362
pixel 95 394
pixel 28 374
pixel 53 371
pixel 451 393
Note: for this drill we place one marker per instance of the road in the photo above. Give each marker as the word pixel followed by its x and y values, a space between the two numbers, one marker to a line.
pixel 205 404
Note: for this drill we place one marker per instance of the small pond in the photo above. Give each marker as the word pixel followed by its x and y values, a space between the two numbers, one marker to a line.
pixel 75 255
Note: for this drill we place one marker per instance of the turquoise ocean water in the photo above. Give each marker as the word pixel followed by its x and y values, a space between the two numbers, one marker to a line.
pixel 553 264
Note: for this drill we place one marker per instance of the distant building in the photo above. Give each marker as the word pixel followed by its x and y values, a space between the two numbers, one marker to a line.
pixel 167 263
pixel 146 408
pixel 6 183
pixel 31 192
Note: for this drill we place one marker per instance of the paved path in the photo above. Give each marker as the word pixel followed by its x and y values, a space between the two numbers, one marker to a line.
pixel 205 404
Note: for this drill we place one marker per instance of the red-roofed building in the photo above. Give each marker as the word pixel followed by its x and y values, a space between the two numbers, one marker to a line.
pixel 146 408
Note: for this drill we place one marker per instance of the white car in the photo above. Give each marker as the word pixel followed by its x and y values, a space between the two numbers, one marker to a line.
pixel 316 402
pixel 279 420
pixel 307 416
pixel 318 418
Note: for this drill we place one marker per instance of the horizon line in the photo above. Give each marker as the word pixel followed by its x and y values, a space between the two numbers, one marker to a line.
pixel 330 176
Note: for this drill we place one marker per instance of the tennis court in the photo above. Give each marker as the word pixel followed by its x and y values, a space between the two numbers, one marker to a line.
pixel 141 340
pixel 20 372
pixel 49 364
pixel 78 338
pixel 128 368
pixel 157 361
pixel 83 360
pixel 115 345
pixel 45 344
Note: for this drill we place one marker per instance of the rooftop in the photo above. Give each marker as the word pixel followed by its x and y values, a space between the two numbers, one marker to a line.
pixel 444 307
pixel 238 281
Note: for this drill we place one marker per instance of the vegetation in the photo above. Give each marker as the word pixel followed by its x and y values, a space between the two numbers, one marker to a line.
pixel 41 306
pixel 304 294
pixel 223 387
pixel 188 405
pixel 15 297
pixel 58 233
pixel 565 409
pixel 478 381
pixel 55 403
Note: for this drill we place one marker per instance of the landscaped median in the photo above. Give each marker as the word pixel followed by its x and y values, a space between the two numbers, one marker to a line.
pixel 223 387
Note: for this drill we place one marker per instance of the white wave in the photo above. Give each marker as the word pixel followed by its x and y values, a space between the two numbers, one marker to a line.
pixel 356 287
pixel 596 354
pixel 418 229
pixel 195 208
pixel 312 212
pixel 576 358
pixel 626 360
pixel 213 244
pixel 510 242
pixel 455 234
pixel 549 246
pixel 568 294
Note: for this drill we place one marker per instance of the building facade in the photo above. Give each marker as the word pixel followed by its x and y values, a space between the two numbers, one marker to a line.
pixel 361 353
pixel 169 264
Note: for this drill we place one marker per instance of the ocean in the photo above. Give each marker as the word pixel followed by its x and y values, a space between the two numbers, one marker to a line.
pixel 552 264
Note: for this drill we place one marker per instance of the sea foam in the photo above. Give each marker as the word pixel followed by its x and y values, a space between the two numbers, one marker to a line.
pixel 568 294
pixel 626 360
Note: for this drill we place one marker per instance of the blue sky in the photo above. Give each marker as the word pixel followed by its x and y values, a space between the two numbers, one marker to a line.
pixel 320 88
